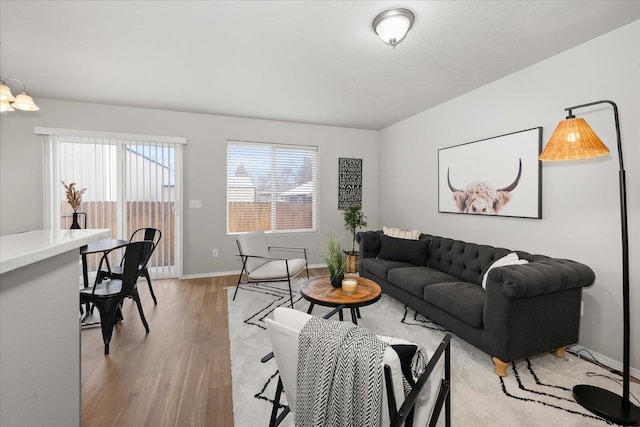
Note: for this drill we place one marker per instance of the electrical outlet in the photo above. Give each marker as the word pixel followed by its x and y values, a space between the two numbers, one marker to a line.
pixel 215 253
pixel 195 203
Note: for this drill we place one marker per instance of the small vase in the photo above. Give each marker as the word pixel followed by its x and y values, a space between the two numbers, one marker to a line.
pixel 75 224
pixel 336 281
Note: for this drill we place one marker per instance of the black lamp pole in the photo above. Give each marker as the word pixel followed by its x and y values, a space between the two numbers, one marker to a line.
pixel 601 402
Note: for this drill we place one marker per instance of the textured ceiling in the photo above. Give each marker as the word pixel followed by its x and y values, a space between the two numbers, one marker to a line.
pixel 300 61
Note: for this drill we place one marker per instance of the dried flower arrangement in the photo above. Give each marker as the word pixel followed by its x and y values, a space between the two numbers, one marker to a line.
pixel 74 197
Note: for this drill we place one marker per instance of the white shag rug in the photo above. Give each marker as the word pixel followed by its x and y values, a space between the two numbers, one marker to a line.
pixel 536 392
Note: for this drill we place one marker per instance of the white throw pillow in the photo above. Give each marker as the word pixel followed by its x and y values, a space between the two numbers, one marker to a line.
pixel 509 259
pixel 401 234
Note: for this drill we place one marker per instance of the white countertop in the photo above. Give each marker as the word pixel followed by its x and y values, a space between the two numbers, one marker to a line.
pixel 19 250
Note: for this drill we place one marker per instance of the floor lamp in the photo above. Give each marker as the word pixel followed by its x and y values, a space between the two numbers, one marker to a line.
pixel 574 139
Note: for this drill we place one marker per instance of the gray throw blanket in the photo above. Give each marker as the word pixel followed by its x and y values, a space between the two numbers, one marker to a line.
pixel 339 375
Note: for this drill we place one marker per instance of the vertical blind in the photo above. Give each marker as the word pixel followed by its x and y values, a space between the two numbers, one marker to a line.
pixel 150 197
pixel 271 187
pixel 90 163
pixel 130 184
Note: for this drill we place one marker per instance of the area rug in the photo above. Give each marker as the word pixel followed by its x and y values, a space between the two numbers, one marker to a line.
pixel 536 392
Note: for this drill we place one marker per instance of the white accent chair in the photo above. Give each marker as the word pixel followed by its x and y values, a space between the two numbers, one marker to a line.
pixel 284 330
pixel 258 265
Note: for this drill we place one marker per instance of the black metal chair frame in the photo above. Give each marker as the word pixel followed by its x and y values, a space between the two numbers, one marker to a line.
pixel 108 296
pixel 143 271
pixel 397 416
pixel 444 396
pixel 245 257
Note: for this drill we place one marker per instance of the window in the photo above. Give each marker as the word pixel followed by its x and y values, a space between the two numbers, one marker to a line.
pixel 271 187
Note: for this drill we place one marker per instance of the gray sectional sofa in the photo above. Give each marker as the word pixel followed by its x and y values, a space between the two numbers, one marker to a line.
pixel 525 309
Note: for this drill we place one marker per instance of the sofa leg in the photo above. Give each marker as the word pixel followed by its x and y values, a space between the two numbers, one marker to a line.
pixel 501 367
pixel 559 352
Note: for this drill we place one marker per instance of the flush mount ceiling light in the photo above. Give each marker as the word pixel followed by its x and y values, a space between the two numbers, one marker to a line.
pixel 10 103
pixel 393 25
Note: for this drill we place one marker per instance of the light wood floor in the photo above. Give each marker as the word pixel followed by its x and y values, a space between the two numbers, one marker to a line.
pixel 177 375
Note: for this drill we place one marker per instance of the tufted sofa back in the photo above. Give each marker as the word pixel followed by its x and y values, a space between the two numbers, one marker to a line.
pixel 468 261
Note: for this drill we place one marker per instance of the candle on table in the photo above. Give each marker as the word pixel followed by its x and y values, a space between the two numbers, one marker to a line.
pixel 349 285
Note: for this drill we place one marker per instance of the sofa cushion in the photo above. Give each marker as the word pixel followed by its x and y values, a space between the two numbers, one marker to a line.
pixel 414 279
pixel 509 259
pixel 463 300
pixel 380 267
pixel 400 233
pixel 411 251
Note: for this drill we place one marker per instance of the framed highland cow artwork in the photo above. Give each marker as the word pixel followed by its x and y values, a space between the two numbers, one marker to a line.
pixel 499 176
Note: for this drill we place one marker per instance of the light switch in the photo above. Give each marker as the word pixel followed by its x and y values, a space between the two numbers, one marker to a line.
pixel 195 203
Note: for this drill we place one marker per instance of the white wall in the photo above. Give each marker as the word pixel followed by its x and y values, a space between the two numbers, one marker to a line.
pixel 204 170
pixel 580 199
pixel 581 217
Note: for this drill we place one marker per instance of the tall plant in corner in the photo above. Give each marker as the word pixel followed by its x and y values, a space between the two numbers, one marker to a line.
pixel 354 219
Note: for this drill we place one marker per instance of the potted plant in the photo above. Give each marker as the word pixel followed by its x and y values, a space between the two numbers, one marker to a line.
pixel 354 219
pixel 336 261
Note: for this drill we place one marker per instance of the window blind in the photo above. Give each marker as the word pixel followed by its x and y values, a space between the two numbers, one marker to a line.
pixel 130 184
pixel 271 187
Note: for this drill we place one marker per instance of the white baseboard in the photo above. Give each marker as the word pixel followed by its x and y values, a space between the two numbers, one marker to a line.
pixel 602 359
pixel 230 273
pixel 212 274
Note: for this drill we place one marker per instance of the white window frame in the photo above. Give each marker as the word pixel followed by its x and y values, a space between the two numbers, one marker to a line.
pixel 315 204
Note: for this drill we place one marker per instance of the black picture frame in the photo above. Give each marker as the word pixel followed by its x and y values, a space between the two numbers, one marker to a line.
pixel 497 176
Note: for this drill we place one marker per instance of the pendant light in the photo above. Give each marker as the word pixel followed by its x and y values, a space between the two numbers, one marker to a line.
pixel 21 102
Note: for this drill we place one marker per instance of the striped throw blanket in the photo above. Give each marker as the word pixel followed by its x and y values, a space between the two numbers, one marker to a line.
pixel 339 375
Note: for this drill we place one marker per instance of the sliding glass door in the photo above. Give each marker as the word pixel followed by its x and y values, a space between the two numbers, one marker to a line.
pixel 130 183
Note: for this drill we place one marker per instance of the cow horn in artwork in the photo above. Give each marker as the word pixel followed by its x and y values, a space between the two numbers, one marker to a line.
pixel 453 189
pixel 515 183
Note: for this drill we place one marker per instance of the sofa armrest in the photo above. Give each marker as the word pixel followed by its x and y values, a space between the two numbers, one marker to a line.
pixel 370 243
pixel 540 277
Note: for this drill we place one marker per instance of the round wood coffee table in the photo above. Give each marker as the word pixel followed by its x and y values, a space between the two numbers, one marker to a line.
pixel 318 290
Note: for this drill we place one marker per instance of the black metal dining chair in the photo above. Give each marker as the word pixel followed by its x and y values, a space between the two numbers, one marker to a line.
pixel 150 234
pixel 108 296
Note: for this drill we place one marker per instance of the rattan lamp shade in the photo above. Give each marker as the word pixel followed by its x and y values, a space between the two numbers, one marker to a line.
pixel 573 139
